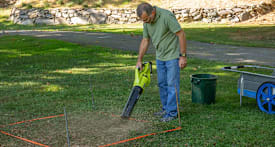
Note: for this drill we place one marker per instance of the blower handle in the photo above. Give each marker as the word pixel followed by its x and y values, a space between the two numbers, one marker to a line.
pixel 151 69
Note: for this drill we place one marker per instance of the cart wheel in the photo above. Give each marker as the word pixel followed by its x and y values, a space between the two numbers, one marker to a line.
pixel 266 97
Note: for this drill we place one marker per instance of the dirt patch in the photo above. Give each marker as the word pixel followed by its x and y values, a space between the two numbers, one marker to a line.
pixel 94 129
pixel 85 128
pixel 251 36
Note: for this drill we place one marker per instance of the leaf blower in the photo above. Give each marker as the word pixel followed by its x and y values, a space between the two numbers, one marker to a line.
pixel 142 79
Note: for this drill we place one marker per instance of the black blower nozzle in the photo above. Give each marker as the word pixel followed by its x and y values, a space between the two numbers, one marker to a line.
pixel 132 100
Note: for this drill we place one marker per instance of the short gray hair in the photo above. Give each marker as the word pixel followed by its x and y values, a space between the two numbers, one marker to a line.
pixel 144 7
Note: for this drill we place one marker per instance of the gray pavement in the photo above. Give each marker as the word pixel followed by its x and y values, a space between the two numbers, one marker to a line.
pixel 225 53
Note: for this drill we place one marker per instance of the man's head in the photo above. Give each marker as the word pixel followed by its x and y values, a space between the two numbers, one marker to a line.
pixel 146 12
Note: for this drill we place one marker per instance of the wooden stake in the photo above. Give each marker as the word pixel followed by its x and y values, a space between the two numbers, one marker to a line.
pixel 178 109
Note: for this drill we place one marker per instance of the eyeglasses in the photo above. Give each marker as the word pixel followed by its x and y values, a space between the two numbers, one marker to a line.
pixel 146 19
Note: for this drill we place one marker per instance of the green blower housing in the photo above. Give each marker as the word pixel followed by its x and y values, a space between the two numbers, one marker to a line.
pixel 142 79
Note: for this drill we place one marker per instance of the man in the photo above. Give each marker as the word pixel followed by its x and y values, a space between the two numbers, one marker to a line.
pixel 162 27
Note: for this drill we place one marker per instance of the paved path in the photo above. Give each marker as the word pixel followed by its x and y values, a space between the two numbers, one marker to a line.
pixel 225 53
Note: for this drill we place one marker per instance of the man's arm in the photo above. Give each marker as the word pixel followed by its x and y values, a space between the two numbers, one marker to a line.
pixel 182 41
pixel 142 50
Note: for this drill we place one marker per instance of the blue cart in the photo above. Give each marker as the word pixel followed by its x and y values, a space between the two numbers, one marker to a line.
pixel 258 86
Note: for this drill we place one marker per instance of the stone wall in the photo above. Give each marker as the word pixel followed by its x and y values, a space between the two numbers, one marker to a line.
pixel 124 16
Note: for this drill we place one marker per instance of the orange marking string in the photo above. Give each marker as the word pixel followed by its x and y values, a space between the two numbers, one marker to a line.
pixel 24 139
pixel 135 138
pixel 36 119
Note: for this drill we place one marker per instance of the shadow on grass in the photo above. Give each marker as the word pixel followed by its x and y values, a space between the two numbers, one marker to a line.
pixel 240 35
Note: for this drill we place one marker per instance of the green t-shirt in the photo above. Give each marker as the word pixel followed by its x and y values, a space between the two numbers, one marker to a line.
pixel 162 33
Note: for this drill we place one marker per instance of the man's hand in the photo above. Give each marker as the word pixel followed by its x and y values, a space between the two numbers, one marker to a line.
pixel 182 62
pixel 139 65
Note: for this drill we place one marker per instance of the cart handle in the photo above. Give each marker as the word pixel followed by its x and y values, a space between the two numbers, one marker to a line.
pixel 234 67
pixel 243 66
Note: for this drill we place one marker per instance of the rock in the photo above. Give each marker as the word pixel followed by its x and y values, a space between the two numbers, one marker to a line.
pixel 65 15
pixel 46 12
pixel 13 10
pixel 52 12
pixel 115 12
pixel 262 3
pixel 225 20
pixel 33 15
pixel 108 12
pixel 123 19
pixel 71 11
pixel 58 14
pixel 24 16
pixel 235 19
pixel 244 16
pixel 79 21
pixel 71 15
pixel 61 20
pixel 132 20
pixel 23 12
pixel 133 16
pixel 205 20
pixel 101 11
pixel 96 18
pixel 195 13
pixel 11 17
pixel 237 10
pixel 128 12
pixel 185 15
pixel 198 17
pixel 16 20
pixel 266 7
pixel 85 13
pixel 186 19
pixel 116 16
pixel 178 16
pixel 17 11
pixel 224 13
pixel 185 11
pixel 212 14
pixel 192 10
pixel 261 11
pixel 218 19
pixel 44 21
pixel 26 22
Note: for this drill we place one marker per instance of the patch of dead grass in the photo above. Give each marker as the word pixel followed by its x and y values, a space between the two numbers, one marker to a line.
pixel 85 129
pixel 252 35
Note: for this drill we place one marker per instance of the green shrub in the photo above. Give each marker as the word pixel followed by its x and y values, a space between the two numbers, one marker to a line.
pixel 69 4
pixel 27 6
pixel 85 6
pixel 99 3
pixel 79 2
pixel 46 4
pixel 60 2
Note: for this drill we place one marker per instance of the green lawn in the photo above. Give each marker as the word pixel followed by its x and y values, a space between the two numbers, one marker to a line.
pixel 39 77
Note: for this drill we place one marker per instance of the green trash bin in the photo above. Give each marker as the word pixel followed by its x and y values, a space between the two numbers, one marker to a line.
pixel 203 88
